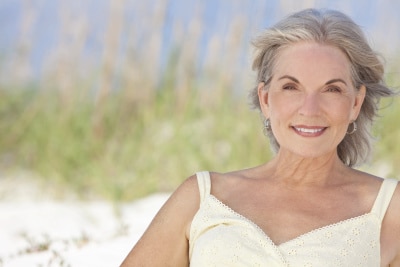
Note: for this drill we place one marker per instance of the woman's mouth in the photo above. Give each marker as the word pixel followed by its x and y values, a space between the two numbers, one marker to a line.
pixel 308 131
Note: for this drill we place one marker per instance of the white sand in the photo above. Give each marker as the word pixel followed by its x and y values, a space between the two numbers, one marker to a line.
pixel 71 233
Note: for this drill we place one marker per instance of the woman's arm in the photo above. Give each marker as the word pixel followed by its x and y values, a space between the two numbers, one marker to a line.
pixel 390 233
pixel 165 242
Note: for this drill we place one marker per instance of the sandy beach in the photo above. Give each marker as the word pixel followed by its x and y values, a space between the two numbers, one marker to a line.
pixel 36 230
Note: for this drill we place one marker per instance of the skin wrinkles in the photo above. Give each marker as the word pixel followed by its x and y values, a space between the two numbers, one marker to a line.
pixel 292 171
pixel 319 95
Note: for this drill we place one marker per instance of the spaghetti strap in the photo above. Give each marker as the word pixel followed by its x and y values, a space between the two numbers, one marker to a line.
pixel 204 182
pixel 384 196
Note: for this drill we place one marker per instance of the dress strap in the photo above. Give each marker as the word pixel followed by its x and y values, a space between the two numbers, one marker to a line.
pixel 384 196
pixel 204 182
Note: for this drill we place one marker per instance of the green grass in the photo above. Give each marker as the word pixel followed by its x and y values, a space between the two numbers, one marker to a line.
pixel 131 150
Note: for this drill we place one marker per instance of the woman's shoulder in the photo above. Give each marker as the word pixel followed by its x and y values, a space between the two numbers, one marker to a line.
pixel 231 178
pixel 390 225
pixel 230 184
pixel 236 175
pixel 190 186
pixel 394 206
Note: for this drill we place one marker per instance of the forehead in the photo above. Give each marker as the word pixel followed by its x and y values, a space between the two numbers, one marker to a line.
pixel 312 59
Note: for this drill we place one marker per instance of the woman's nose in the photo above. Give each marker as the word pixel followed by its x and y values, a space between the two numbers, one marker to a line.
pixel 309 105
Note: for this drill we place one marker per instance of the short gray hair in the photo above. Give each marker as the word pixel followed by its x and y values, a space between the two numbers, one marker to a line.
pixel 333 28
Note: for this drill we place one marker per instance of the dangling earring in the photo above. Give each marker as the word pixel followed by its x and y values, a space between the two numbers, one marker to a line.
pixel 267 126
pixel 354 128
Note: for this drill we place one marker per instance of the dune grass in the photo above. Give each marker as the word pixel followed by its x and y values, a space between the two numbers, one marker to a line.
pixel 131 150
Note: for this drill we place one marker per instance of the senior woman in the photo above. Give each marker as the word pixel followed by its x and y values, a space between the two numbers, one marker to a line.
pixel 318 87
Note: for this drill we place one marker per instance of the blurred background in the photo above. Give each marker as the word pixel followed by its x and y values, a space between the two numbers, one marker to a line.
pixel 117 99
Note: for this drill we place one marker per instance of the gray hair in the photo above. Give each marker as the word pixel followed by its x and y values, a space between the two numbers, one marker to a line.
pixel 333 28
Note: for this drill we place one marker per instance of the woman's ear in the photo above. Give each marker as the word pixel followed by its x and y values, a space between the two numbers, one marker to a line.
pixel 263 98
pixel 360 96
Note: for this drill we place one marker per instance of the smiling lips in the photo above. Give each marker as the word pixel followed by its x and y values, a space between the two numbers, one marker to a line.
pixel 309 131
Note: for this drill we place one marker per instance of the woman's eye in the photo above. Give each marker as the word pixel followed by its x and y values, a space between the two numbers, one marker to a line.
pixel 334 89
pixel 289 87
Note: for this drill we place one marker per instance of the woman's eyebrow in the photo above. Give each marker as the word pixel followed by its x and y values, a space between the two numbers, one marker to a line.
pixel 335 80
pixel 289 77
pixel 297 81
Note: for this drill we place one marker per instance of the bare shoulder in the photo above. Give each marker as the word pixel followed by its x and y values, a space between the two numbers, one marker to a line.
pixel 188 191
pixel 393 213
pixel 165 242
pixel 223 179
pixel 394 208
pixel 367 184
pixel 184 200
pixel 183 203
pixel 228 185
pixel 390 236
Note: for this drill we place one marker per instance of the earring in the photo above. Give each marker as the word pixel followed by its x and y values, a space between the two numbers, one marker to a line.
pixel 354 128
pixel 267 126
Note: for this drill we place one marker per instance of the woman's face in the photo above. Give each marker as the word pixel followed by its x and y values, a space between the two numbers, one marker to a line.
pixel 310 100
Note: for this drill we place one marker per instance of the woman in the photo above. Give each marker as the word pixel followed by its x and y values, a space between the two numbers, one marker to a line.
pixel 318 87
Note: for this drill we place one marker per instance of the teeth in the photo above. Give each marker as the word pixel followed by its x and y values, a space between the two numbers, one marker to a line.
pixel 304 130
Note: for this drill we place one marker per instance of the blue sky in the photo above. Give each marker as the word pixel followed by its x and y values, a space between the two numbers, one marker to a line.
pixel 378 18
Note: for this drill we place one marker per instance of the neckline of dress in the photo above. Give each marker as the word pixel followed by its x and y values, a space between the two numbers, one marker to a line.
pixel 303 235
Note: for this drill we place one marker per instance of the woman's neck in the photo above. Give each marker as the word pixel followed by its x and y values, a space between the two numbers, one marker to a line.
pixel 296 171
